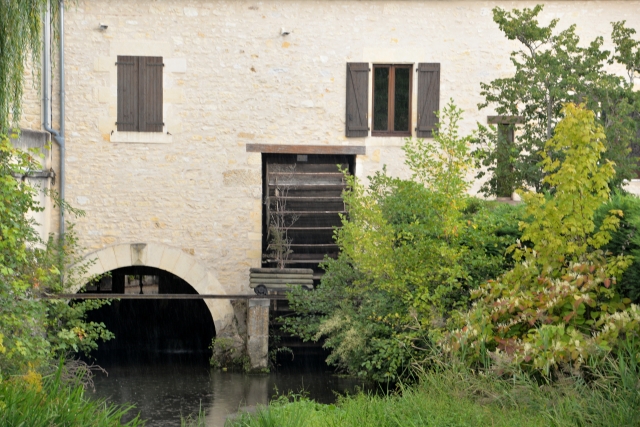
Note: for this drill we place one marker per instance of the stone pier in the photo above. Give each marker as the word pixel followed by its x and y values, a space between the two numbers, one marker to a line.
pixel 258 333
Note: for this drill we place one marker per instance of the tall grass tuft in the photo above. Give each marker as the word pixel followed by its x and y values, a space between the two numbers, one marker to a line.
pixel 51 401
pixel 605 394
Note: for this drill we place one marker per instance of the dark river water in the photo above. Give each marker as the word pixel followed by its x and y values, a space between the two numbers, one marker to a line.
pixel 162 392
pixel 159 363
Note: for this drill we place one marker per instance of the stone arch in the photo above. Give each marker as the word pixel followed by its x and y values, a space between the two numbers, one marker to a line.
pixel 172 260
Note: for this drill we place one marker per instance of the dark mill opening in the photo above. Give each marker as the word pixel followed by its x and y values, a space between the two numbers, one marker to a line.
pixel 151 330
pixel 309 190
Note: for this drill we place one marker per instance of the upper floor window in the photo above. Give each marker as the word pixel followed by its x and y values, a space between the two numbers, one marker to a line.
pixel 140 94
pixel 392 90
pixel 392 100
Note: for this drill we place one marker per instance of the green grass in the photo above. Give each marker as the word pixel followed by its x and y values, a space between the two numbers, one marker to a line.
pixel 55 403
pixel 417 406
pixel 451 398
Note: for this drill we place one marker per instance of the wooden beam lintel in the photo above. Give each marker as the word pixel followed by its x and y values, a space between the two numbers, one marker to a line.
pixel 306 149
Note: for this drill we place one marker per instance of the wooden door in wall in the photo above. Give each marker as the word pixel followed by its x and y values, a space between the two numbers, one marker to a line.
pixel 303 199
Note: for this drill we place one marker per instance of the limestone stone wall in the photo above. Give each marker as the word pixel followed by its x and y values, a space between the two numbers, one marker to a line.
pixel 231 78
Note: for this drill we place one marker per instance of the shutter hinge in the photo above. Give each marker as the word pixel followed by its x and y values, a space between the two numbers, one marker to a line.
pixel 125 63
pixel 155 123
pixel 155 65
pixel 124 123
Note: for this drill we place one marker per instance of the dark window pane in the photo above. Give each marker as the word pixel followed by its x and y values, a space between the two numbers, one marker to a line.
pixel 380 98
pixel 401 113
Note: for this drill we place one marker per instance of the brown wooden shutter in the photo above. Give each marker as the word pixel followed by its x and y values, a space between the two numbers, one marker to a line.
pixel 428 99
pixel 127 93
pixel 356 124
pixel 150 94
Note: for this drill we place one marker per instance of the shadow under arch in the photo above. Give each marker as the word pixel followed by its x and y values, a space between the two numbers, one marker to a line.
pixel 175 261
pixel 151 330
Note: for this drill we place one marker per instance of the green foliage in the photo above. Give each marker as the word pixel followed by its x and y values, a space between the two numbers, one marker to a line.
pixel 413 255
pixel 193 420
pixel 451 396
pixel 50 401
pixel 627 50
pixel 557 305
pixel 625 241
pixel 21 24
pixel 411 251
pixel 551 69
pixel 563 225
pixel 227 355
pixel 34 328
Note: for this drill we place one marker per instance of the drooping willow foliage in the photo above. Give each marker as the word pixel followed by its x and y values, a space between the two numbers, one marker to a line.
pixel 21 27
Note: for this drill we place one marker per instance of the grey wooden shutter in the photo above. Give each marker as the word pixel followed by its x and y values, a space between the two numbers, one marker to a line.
pixel 150 94
pixel 428 99
pixel 356 124
pixel 127 93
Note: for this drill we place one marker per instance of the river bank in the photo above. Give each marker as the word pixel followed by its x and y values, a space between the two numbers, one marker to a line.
pixel 462 399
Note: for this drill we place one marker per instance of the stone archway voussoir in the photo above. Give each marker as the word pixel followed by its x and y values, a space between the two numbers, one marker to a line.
pixel 123 255
pixel 183 265
pixel 107 258
pixel 169 259
pixel 154 255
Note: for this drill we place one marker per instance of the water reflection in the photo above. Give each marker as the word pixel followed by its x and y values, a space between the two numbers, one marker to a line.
pixel 163 392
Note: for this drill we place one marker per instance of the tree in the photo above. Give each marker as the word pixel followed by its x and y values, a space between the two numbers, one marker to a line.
pixel 21 27
pixel 552 69
pixel 558 304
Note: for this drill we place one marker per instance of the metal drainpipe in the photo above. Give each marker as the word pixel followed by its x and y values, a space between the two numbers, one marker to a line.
pixel 58 136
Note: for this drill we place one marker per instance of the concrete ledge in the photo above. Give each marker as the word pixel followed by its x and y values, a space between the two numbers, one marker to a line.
pixel 261 302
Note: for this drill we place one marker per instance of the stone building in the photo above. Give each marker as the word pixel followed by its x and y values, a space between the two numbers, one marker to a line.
pixel 175 107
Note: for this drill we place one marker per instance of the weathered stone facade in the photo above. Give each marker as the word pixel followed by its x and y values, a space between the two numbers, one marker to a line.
pixel 232 78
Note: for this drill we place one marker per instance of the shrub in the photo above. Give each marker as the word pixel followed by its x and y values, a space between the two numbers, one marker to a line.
pixel 558 305
pixel 625 241
pixel 411 251
pixel 33 328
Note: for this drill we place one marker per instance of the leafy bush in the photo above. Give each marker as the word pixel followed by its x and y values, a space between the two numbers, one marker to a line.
pixel 35 329
pixel 625 241
pixel 558 304
pixel 411 251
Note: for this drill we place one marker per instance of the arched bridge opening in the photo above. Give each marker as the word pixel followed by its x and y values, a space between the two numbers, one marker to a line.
pixel 151 329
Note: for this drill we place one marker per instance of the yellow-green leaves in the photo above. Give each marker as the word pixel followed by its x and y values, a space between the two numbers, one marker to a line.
pixel 558 305
pixel 442 164
pixel 563 225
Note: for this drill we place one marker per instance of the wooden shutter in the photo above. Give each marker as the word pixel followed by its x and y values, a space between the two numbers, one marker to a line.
pixel 356 124
pixel 150 95
pixel 127 93
pixel 428 99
